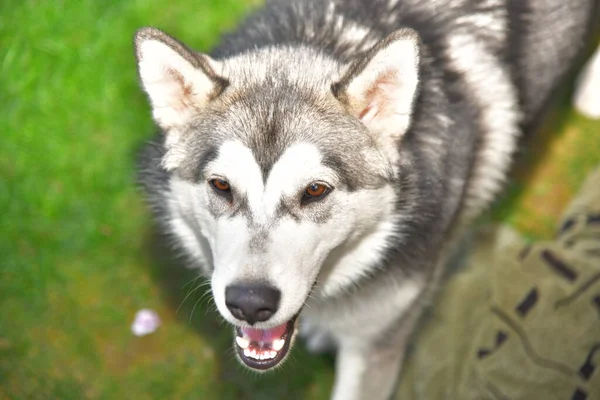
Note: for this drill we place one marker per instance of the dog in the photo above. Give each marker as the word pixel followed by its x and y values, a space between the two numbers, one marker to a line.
pixel 319 163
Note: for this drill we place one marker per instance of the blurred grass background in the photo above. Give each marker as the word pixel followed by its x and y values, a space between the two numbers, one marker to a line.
pixel 78 251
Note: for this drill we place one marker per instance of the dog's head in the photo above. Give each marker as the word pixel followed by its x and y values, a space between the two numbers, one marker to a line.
pixel 279 158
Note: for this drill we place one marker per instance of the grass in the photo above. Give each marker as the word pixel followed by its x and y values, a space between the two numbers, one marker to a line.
pixel 76 265
pixel 549 173
pixel 79 256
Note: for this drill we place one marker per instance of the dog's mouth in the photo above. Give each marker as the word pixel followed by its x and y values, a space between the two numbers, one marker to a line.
pixel 263 349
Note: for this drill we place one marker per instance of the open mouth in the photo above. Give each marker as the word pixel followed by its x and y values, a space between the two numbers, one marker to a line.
pixel 264 348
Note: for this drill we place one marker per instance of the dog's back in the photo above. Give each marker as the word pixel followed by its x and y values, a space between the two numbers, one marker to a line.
pixel 539 39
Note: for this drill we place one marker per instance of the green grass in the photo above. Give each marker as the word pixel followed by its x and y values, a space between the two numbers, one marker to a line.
pixel 78 252
pixel 76 237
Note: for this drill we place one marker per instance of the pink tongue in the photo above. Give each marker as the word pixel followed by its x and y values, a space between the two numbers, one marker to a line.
pixel 265 335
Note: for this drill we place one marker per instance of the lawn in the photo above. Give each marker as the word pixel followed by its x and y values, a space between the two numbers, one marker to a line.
pixel 79 252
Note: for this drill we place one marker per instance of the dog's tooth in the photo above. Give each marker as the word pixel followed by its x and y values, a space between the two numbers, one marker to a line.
pixel 243 342
pixel 278 344
pixel 247 352
pixel 272 354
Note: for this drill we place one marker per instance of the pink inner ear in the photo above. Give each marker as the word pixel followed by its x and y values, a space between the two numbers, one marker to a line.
pixel 180 90
pixel 365 111
pixel 380 96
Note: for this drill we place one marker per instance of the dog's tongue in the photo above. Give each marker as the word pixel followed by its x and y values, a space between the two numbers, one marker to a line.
pixel 265 335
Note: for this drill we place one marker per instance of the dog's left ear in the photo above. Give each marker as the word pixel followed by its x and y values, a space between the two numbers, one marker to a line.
pixel 380 88
pixel 179 82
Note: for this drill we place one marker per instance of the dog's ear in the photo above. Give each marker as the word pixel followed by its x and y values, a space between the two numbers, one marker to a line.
pixel 178 81
pixel 380 88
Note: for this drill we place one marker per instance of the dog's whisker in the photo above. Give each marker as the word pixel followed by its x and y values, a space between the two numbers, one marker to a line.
pixel 206 296
pixel 200 299
pixel 191 281
pixel 190 292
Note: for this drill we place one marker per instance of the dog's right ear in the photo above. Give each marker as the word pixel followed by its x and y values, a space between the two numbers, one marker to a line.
pixel 380 88
pixel 178 81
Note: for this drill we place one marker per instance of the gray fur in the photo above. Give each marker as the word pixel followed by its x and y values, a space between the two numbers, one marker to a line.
pixel 486 71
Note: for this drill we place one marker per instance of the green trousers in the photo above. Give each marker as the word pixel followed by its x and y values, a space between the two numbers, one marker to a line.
pixel 517 321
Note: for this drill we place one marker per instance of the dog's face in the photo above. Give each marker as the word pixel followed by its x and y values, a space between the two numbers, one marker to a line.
pixel 278 158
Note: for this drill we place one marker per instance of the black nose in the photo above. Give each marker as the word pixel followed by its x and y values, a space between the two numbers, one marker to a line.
pixel 252 303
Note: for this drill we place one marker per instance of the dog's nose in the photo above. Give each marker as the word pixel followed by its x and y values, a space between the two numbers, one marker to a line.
pixel 252 303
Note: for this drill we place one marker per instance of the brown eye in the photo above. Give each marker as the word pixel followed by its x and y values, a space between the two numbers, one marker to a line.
pixel 315 191
pixel 220 184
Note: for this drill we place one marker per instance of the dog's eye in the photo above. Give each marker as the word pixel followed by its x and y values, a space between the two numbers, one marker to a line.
pixel 315 191
pixel 220 185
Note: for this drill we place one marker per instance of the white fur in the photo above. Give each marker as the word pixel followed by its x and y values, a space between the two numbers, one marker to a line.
pixel 186 228
pixel 587 93
pixel 355 260
pixel 350 368
pixel 299 166
pixel 354 336
pixel 489 83
pixel 195 245
pixel 493 22
pixel 330 13
pixel 392 297
pixel 353 34
pixel 237 165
